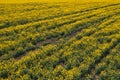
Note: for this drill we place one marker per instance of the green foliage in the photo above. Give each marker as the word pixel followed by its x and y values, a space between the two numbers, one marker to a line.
pixel 60 41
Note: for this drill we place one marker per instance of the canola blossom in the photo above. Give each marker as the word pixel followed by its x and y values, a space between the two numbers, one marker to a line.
pixel 60 40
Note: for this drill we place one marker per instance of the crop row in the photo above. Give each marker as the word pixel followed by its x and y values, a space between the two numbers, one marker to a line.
pixel 70 59
pixel 57 31
pixel 22 16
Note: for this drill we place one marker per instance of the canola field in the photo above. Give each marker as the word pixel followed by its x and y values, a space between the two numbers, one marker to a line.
pixel 60 41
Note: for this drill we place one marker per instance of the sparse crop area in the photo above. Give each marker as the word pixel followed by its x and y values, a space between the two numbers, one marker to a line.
pixel 60 41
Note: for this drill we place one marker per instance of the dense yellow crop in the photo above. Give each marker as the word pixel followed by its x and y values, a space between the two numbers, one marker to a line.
pixel 81 1
pixel 60 40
